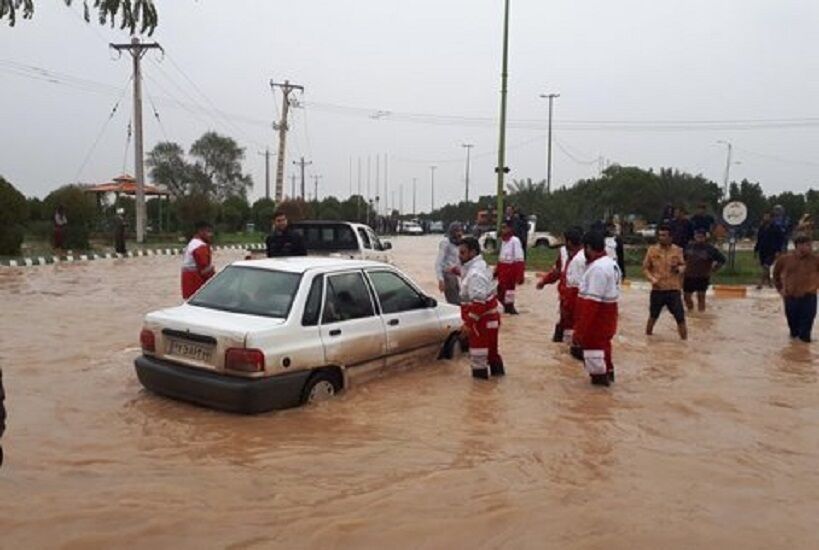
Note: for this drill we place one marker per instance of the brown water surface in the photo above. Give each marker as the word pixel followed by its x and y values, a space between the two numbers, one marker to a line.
pixel 712 443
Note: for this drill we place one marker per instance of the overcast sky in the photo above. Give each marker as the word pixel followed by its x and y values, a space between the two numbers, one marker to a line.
pixel 630 61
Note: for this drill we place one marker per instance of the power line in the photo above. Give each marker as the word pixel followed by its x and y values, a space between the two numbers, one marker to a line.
pixel 102 130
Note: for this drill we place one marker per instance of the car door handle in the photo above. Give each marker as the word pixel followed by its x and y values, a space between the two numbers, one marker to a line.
pixel 335 332
pixel 393 322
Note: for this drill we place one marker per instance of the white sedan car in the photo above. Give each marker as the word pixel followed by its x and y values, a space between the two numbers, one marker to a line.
pixel 276 333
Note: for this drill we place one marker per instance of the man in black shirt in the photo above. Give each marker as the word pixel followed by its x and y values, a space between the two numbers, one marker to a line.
pixel 283 241
pixel 702 220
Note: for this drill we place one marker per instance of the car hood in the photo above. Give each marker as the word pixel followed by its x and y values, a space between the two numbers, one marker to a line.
pixel 211 321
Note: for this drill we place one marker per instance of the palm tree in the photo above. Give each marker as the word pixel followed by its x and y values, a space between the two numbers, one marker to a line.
pixel 132 13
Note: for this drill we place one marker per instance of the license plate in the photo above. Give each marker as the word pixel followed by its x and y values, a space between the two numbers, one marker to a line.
pixel 197 352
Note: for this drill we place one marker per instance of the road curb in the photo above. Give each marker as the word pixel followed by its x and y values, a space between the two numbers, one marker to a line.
pixel 38 261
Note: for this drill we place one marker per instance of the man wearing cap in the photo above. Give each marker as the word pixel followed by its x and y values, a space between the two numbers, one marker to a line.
pixel 447 264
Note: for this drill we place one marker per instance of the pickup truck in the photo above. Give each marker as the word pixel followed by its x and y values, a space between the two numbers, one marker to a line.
pixel 339 239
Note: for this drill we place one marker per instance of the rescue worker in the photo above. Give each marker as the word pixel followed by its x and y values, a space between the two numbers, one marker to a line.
pixel 510 268
pixel 446 260
pixel 479 311
pixel 571 260
pixel 196 261
pixel 283 241
pixel 596 314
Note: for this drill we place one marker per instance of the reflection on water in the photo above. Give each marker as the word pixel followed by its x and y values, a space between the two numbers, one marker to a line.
pixel 708 442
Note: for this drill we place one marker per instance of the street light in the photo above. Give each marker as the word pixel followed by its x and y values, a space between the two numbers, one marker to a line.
pixel 551 98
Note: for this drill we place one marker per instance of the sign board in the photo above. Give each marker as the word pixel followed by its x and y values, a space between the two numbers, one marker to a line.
pixel 735 213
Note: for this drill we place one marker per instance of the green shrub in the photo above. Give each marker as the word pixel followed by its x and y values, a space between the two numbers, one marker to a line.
pixel 80 209
pixel 13 214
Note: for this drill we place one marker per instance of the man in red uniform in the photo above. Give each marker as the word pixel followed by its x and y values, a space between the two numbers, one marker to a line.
pixel 511 266
pixel 571 255
pixel 479 311
pixel 596 315
pixel 196 261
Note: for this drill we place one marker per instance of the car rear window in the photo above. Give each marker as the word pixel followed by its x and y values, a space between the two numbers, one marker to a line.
pixel 250 290
pixel 326 236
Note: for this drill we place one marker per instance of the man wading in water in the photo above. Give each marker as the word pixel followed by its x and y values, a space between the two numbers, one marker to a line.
pixel 447 260
pixel 701 260
pixel 796 276
pixel 664 266
pixel 479 311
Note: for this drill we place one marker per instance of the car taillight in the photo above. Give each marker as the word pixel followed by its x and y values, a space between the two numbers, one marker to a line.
pixel 244 360
pixel 147 340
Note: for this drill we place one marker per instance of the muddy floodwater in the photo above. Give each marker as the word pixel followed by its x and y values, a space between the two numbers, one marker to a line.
pixel 713 443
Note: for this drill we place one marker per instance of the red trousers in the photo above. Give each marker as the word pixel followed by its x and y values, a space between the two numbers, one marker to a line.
pixel 508 277
pixel 595 327
pixel 191 282
pixel 482 321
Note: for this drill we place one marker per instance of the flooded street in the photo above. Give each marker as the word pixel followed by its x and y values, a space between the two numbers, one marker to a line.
pixel 710 443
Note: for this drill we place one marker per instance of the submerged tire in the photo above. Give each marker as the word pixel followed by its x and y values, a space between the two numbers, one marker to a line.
pixel 323 385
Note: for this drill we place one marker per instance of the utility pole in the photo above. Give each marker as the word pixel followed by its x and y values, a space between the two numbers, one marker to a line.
pixel 727 168
pixel 414 180
pixel 266 172
pixel 351 177
pixel 551 98
pixel 316 179
pixel 468 147
pixel 501 169
pixel 302 163
pixel 432 188
pixel 387 185
pixel 137 49
pixel 282 127
pixel 401 199
pixel 292 186
pixel 358 202
pixel 377 178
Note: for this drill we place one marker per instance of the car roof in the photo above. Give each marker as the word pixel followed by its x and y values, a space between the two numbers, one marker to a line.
pixel 327 222
pixel 302 264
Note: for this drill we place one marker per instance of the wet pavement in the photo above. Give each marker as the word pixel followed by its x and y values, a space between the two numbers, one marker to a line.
pixel 710 443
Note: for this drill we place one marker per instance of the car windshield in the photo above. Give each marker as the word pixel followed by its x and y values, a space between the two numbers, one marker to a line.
pixel 250 290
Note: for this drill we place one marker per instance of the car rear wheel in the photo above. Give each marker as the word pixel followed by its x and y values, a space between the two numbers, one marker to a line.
pixel 323 385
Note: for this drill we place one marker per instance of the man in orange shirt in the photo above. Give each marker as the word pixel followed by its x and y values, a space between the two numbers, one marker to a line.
pixel 664 266
pixel 796 276
pixel 196 261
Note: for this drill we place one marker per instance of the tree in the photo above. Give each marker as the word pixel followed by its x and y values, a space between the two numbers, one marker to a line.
pixel 132 13
pixel 262 212
pixel 235 213
pixel 218 166
pixel 13 214
pixel 193 208
pixel 168 167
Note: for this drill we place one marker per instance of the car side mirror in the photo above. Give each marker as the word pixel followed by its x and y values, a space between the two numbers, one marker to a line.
pixel 430 302
pixel 387 245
